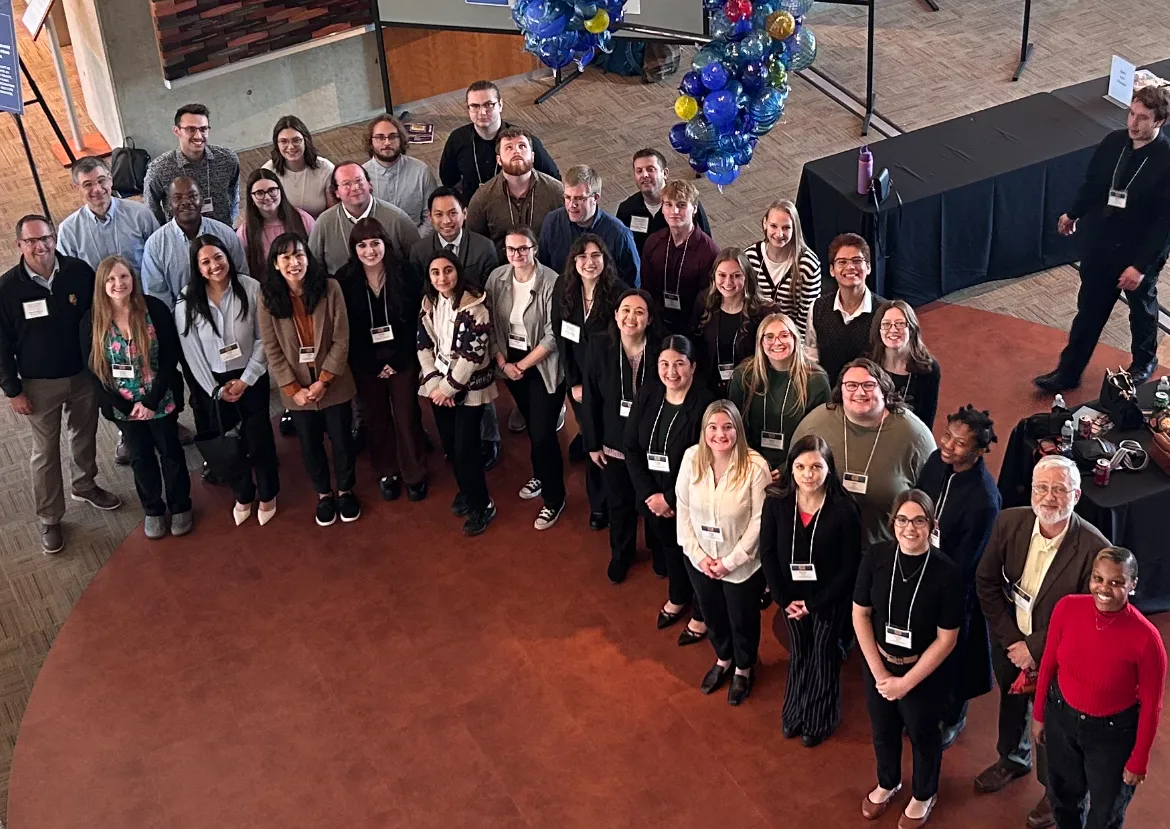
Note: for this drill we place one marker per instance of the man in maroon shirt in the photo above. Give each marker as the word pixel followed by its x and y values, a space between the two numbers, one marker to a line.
pixel 677 262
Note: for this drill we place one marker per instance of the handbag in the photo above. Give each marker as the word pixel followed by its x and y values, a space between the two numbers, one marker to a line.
pixel 1086 453
pixel 1119 400
pixel 223 449
pixel 128 168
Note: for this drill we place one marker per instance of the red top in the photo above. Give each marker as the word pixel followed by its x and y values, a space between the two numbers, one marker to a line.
pixel 1104 671
pixel 806 517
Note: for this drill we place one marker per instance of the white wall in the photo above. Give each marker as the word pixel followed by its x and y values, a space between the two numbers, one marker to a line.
pixel 89 53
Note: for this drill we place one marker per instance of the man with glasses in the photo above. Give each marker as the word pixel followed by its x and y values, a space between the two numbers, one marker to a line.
pixel 396 177
pixel 469 157
pixel 581 214
pixel 838 325
pixel 329 241
pixel 642 212
pixel 215 169
pixel 42 371
pixel 1036 556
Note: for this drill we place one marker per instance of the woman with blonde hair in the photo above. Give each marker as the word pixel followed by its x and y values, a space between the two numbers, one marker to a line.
pixel 727 319
pixel 895 344
pixel 789 271
pixel 776 388
pixel 719 499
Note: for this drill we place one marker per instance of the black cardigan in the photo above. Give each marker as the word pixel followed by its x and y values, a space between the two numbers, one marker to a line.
pixel 167 377
pixel 601 420
pixel 922 396
pixel 575 355
pixel 400 353
pixel 706 340
pixel 836 551
pixel 683 435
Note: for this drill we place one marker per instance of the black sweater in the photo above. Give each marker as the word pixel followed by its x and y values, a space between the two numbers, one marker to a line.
pixel 43 348
pixel 465 151
pixel 608 380
pixel 921 392
pixel 684 433
pixel 400 353
pixel 836 552
pixel 574 356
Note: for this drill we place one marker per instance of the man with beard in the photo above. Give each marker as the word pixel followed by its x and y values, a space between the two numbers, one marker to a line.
pixel 396 177
pixel 520 196
pixel 642 212
pixel 581 214
pixel 1035 557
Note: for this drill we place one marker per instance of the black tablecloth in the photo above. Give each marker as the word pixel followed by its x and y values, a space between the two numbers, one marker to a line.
pixel 980 196
pixel 1089 98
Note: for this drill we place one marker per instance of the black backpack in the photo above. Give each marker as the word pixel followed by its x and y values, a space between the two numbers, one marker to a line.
pixel 128 168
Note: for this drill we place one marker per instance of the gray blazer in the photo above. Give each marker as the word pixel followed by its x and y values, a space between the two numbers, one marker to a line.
pixel 538 319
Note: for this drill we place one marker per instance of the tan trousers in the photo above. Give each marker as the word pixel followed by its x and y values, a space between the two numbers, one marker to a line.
pixel 76 398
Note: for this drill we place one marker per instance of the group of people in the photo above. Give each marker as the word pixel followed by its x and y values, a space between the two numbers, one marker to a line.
pixel 743 415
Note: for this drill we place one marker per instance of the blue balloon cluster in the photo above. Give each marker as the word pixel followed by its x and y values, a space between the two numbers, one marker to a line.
pixel 560 32
pixel 737 87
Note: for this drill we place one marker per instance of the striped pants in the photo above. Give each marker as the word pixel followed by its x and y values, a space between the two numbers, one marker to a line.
pixel 812 696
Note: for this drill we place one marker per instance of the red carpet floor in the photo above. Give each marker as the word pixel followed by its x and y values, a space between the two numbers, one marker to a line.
pixel 390 673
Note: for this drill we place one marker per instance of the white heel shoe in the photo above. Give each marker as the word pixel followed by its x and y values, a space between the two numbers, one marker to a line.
pixel 241 515
pixel 264 516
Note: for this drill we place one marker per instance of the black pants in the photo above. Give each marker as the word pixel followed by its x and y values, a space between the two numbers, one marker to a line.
pixel 662 539
pixel 620 499
pixel 1015 719
pixel 312 426
pixel 732 613
pixel 1095 300
pixel 917 714
pixel 1086 758
pixel 157 458
pixel 594 476
pixel 459 432
pixel 812 696
pixel 540 410
pixel 260 478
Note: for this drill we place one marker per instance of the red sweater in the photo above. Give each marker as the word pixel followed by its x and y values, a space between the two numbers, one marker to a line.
pixel 1103 672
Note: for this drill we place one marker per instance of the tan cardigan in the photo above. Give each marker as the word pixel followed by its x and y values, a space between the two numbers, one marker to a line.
pixel 331 335
pixel 471 377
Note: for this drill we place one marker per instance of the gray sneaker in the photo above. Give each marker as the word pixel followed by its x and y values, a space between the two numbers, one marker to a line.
pixel 98 498
pixel 121 452
pixel 516 423
pixel 51 539
pixel 156 526
pixel 181 523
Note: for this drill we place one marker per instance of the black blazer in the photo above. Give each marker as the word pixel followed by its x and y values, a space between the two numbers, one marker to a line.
pixel 167 377
pixel 477 255
pixel 706 340
pixel 575 355
pixel 401 353
pixel 836 551
pixel 683 435
pixel 601 420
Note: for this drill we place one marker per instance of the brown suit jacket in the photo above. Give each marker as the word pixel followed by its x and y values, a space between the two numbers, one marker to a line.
pixel 1003 563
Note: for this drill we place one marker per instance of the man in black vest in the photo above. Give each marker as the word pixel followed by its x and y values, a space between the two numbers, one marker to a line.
pixel 839 324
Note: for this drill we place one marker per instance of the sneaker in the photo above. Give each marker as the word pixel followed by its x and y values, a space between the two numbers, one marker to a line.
pixel 548 516
pixel 287 428
pixel 326 511
pixel 459 505
pixel 52 541
pixel 348 506
pixel 181 523
pixel 530 490
pixel 155 527
pixel 478 519
pixel 561 418
pixel 99 499
pixel 416 492
pixel 390 488
pixel 121 452
pixel 516 423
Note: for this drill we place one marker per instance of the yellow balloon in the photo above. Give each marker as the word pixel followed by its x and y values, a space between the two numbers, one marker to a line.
pixel 686 107
pixel 598 23
pixel 780 25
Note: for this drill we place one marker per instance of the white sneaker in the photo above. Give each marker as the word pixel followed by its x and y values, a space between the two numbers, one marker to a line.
pixel 547 517
pixel 561 418
pixel 531 490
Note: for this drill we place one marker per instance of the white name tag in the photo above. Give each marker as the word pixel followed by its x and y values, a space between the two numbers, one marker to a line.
pixel 382 334
pixel 658 463
pixel 441 365
pixel 518 341
pixel 726 370
pixel 898 636
pixel 1118 198
pixel 672 301
pixel 122 371
pixel 709 533
pixel 772 440
pixel 855 482
pixel 639 224
pixel 230 352
pixel 571 332
pixel 1021 598
pixel 208 206
pixel 624 407
pixel 803 572
pixel 307 354
pixel 936 538
pixel 36 308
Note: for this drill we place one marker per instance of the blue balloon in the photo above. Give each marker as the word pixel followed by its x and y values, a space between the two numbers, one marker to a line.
pixel 679 141
pixel 700 132
pixel 714 5
pixel 804 50
pixel 720 161
pixel 554 56
pixel 586 8
pixel 708 54
pixel 715 75
pixel 754 76
pixel 722 28
pixel 604 41
pixel 546 18
pixel 797 8
pixel 518 11
pixel 736 90
pixel 692 84
pixel 698 161
pixel 760 12
pixel 583 58
pixel 755 46
pixel 722 179
pixel 744 154
pixel 720 108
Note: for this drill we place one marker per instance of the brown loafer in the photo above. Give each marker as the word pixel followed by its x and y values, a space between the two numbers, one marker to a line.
pixel 907 822
pixel 1042 816
pixel 996 776
pixel 871 810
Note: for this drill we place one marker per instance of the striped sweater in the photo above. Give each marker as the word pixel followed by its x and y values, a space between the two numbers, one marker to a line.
pixel 793 296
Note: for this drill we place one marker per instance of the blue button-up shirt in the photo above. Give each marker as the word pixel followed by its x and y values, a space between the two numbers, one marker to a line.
pixel 166 260
pixel 558 232
pixel 123 232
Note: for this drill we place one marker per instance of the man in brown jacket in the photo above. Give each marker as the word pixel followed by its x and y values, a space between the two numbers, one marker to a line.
pixel 1034 558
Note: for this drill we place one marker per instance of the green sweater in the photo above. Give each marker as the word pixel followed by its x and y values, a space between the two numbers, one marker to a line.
pixel 767 412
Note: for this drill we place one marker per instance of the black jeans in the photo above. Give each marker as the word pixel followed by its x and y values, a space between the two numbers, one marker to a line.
pixel 918 714
pixel 732 614
pixel 1086 757
pixel 623 515
pixel 1015 719
pixel 812 695
pixel 662 539
pixel 260 478
pixel 312 426
pixel 540 410
pixel 594 476
pixel 157 458
pixel 459 433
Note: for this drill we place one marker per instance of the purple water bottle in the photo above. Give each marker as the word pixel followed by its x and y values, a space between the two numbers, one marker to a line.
pixel 864 170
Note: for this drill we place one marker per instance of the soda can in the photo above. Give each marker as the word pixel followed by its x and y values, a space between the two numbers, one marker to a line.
pixel 1101 472
pixel 1085 427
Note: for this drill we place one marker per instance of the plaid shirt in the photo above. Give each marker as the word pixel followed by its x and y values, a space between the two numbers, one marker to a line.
pixel 217 174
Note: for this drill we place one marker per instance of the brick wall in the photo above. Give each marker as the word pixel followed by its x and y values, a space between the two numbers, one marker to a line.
pixel 198 35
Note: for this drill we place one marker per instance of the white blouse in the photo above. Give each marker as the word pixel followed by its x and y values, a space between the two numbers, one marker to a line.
pixel 707 511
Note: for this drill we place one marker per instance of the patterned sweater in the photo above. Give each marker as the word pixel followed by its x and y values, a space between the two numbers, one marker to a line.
pixel 470 377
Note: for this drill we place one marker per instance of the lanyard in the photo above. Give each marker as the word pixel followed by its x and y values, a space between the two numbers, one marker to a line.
pixel 587 303
pixel 734 340
pixel 1117 167
pixel 475 159
pixel 783 406
pixel 715 495
pixel 812 536
pixel 529 197
pixel 666 264
pixel 654 431
pixel 226 317
pixel 634 381
pixel 845 440
pixel 370 304
pixel 890 603
pixel 942 504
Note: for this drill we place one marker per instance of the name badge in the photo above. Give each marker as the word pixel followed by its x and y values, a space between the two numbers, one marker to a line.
pixel 122 371
pixel 709 533
pixel 571 332
pixel 208 206
pixel 441 365
pixel 307 354
pixel 518 341
pixel 1021 598
pixel 936 538
pixel 658 463
pixel 855 482
pixel 803 572
pixel 1118 198
pixel 36 308
pixel 640 224
pixel 725 370
pixel 898 636
pixel 230 352
pixel 624 407
pixel 382 334
pixel 772 440
pixel 672 301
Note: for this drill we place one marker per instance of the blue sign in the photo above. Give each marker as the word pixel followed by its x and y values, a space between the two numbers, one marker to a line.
pixel 11 97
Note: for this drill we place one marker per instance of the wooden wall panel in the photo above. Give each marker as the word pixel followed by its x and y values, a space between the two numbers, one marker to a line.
pixel 428 62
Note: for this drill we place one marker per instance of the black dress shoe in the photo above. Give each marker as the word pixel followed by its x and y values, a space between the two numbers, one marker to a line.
pixel 1054 382
pixel 358 434
pixel 794 731
pixel 616 572
pixel 741 688
pixel 666 619
pixel 490 450
pixel 811 740
pixel 459 505
pixel 765 600
pixel 287 429
pixel 390 488
pixel 951 733
pixel 210 477
pixel 1141 374
pixel 416 492
pixel 714 678
pixel 598 521
pixel 690 637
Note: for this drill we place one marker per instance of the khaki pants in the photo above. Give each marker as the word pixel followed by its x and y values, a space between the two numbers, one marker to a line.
pixel 75 396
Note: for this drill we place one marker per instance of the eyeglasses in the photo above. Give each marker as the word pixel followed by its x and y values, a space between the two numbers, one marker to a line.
pixel 852 386
pixel 596 256
pixel 100 181
pixel 768 339
pixel 33 241
pixel 578 200
pixel 290 142
pixel 894 326
pixel 270 193
pixel 350 184
pixel 488 107
pixel 193 131
pixel 856 262
pixel 918 521
pixel 1057 490
pixel 381 138
pixel 520 251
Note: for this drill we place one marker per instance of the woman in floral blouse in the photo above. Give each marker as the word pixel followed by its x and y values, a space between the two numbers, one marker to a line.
pixel 132 350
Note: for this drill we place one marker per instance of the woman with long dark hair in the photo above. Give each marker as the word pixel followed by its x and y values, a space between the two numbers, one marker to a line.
pixel 306 176
pixel 268 214
pixel 728 318
pixel 382 300
pixel 895 344
pixel 305 330
pixel 217 319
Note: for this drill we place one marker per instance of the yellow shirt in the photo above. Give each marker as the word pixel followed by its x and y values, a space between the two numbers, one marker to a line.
pixel 1041 552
